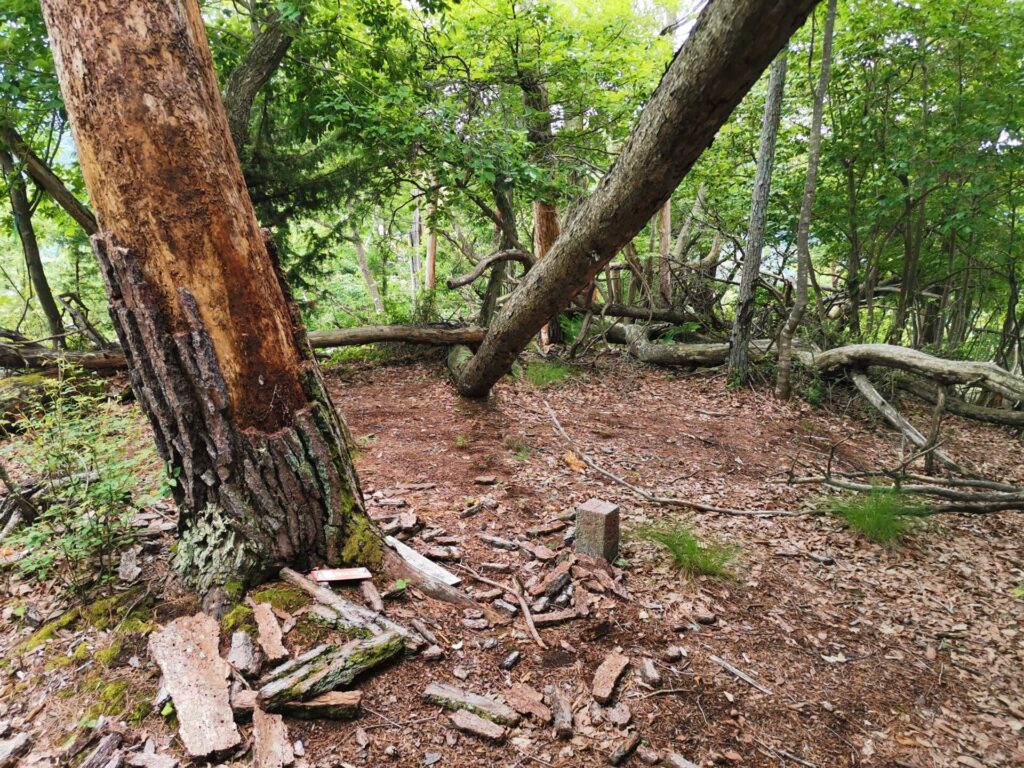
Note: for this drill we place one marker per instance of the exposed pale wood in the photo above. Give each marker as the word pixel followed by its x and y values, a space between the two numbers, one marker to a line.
pixel 986 375
pixel 451 697
pixel 740 674
pixel 421 563
pixel 197 680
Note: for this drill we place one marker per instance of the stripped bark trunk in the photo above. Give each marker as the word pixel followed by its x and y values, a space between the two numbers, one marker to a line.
pixel 219 360
pixel 744 317
pixel 730 45
pixel 803 227
pixel 30 247
pixel 545 232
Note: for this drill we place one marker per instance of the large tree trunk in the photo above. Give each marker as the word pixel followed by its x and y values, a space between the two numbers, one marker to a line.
pixel 219 361
pixel 30 247
pixel 729 47
pixel 744 317
pixel 48 180
pixel 803 227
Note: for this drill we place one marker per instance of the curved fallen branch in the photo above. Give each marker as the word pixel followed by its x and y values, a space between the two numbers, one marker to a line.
pixel 678 353
pixel 511 254
pixel 971 372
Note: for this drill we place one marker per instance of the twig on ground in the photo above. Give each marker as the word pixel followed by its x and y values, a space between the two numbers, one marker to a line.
pixel 740 674
pixel 663 500
pixel 516 590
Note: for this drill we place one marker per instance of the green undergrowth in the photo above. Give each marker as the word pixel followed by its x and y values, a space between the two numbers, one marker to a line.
pixel 883 515
pixel 547 373
pixel 691 555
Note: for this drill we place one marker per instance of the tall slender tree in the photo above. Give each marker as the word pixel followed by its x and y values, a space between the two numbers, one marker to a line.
pixel 219 361
pixel 739 351
pixel 803 227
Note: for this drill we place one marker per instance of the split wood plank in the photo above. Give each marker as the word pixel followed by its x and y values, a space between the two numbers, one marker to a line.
pixel 421 563
pixel 270 637
pixel 271 747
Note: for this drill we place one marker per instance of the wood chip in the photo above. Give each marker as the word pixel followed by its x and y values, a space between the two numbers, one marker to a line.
pixel 333 705
pixel 624 749
pixel 105 750
pixel 197 680
pixel 451 697
pixel 270 637
pixel 325 575
pixel 243 655
pixel 527 701
pixel 561 712
pixel 422 564
pixel 271 747
pixel 474 724
pixel 607 676
pixel 555 617
pixel 649 673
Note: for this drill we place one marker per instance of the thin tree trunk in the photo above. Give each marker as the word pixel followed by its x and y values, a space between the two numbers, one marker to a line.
pixel 545 232
pixel 665 254
pixel 48 180
pixel 364 270
pixel 219 360
pixel 30 247
pixel 431 265
pixel 509 239
pixel 744 318
pixel 803 227
pixel 730 45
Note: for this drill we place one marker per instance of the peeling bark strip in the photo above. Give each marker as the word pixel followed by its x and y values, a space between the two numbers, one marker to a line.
pixel 197 680
pixel 219 362
pixel 729 47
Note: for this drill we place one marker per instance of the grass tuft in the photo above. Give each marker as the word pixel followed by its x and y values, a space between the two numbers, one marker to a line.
pixel 544 373
pixel 690 555
pixel 882 515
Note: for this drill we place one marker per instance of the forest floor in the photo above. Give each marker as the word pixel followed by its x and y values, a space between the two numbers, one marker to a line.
pixel 873 656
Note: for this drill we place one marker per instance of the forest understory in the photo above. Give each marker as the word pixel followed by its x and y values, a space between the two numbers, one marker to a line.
pixel 857 654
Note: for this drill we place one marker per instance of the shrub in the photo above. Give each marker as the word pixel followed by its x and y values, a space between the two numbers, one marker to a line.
pixel 78 447
pixel 690 555
pixel 883 515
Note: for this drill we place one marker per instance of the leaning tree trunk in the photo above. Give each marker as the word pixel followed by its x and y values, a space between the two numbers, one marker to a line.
pixel 30 246
pixel 744 317
pixel 803 227
pixel 730 45
pixel 219 361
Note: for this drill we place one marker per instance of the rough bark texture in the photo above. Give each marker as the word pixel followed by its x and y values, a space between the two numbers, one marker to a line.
pixel 729 47
pixel 219 361
pixel 268 49
pixel 741 325
pixel 803 227
pixel 49 181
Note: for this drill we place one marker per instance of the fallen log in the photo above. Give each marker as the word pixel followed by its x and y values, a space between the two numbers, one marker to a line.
pixel 331 667
pixel 15 358
pixel 958 407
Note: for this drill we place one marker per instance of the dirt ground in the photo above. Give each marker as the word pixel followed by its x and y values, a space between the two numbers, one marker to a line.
pixel 871 656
